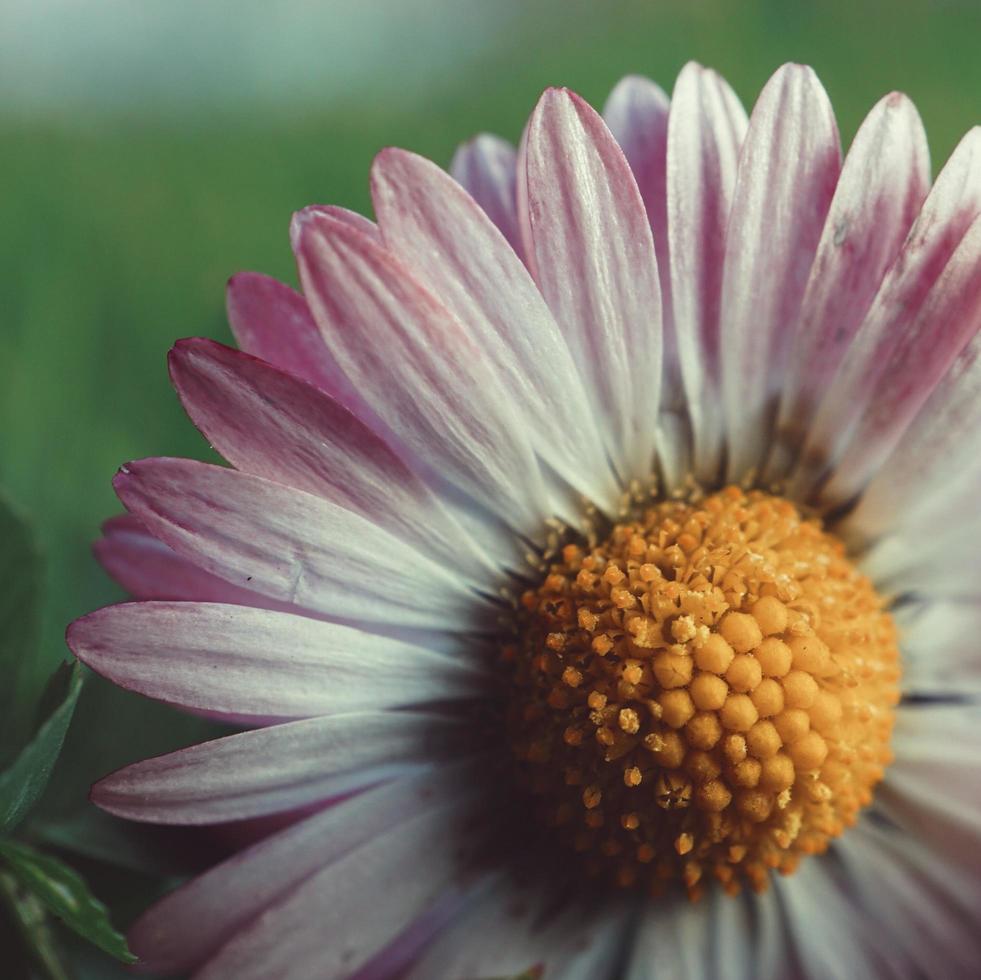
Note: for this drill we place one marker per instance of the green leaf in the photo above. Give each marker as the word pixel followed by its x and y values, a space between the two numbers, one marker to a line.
pixel 31 918
pixel 147 849
pixel 20 573
pixel 25 780
pixel 66 895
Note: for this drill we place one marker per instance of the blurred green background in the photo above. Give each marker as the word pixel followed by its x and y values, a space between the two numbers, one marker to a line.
pixel 139 170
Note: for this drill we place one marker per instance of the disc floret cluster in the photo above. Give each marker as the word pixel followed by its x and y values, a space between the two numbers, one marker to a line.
pixel 707 692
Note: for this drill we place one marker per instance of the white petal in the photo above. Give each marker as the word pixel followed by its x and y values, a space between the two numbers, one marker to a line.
pixel 147 569
pixel 941 644
pixel 637 114
pixel 594 261
pixel 942 561
pixel 512 929
pixel 486 167
pixel 272 321
pixel 933 789
pixel 341 916
pixel 706 128
pixel 192 923
pixel 270 770
pixel 902 348
pixel 883 182
pixel 923 344
pixel 437 229
pixel 242 661
pixel 291 545
pixel 731 938
pixel 734 919
pixel 829 931
pixel 419 370
pixel 357 221
pixel 923 908
pixel 671 940
pixel 787 172
pixel 406 948
pixel 922 483
pixel 274 425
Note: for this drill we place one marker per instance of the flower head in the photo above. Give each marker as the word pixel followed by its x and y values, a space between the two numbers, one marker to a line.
pixel 599 534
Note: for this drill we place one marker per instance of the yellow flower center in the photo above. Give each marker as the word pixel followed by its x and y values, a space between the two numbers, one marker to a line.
pixel 707 692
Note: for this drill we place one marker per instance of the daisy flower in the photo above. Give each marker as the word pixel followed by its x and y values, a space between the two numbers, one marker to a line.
pixel 595 570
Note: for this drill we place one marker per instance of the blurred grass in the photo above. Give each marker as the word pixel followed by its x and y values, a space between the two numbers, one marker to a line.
pixel 118 233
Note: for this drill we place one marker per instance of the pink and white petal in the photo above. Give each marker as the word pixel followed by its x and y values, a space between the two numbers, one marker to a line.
pixel 706 129
pixel 788 169
pixel 527 251
pixel 241 661
pixel 829 934
pixel 192 923
pixel 636 113
pixel 419 370
pixel 292 546
pixel 924 908
pixel 437 230
pixel 271 770
pixel 597 950
pixel 922 347
pixel 273 425
pixel 595 264
pixel 942 561
pixel 940 230
pixel 496 539
pixel 495 934
pixel 884 180
pixel 360 901
pixel 486 167
pixel 357 221
pixel 941 645
pixel 272 321
pixel 405 949
pixel 345 392
pixel 511 929
pixel 731 920
pixel 676 938
pixel 147 569
pixel 933 789
pixel 922 477
pixel 674 448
